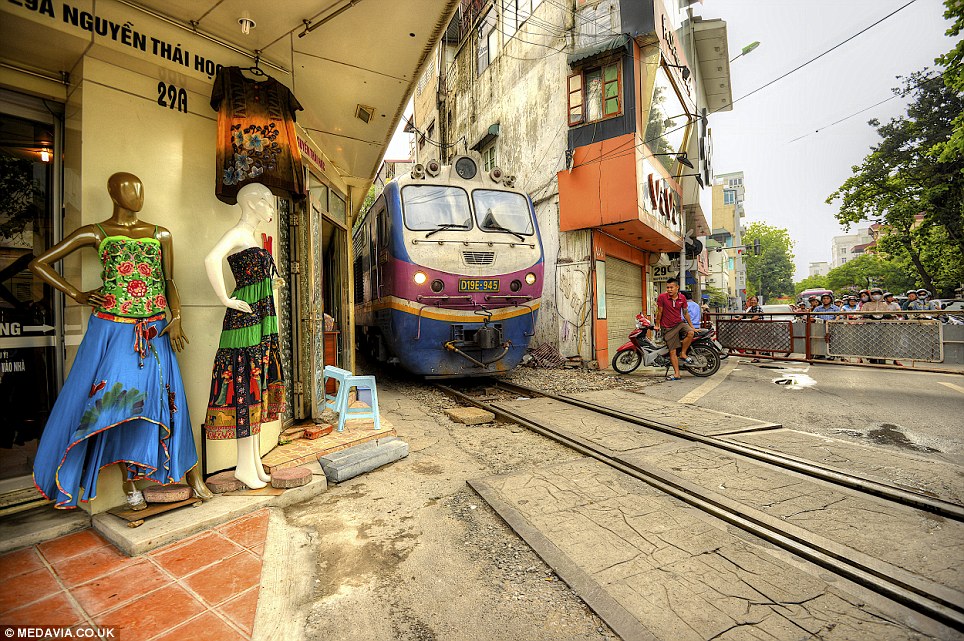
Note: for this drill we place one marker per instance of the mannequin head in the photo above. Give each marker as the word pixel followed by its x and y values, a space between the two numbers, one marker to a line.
pixel 257 203
pixel 126 190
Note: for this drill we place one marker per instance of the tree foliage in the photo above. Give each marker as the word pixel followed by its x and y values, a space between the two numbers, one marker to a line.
pixel 911 186
pixel 718 298
pixel 953 63
pixel 870 270
pixel 770 274
pixel 811 282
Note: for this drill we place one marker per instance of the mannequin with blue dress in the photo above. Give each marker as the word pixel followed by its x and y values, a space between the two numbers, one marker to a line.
pixel 123 401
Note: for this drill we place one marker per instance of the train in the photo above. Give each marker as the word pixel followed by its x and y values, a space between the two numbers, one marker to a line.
pixel 448 270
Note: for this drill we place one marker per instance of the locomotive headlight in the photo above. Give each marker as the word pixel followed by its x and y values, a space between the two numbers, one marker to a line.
pixel 420 278
pixel 437 285
pixel 515 285
pixel 530 278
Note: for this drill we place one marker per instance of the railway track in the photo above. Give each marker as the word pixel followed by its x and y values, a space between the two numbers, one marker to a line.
pixel 936 601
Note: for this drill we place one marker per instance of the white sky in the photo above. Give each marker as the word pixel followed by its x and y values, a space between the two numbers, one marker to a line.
pixel 787 183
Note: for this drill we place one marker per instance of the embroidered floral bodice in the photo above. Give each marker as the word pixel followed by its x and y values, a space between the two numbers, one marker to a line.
pixel 133 277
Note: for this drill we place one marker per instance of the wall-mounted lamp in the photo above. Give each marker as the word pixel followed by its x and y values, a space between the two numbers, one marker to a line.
pixel 680 158
pixel 685 70
pixel 247 24
pixel 699 179
pixel 45 155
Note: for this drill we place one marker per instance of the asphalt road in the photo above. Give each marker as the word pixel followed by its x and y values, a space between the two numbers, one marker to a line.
pixel 900 410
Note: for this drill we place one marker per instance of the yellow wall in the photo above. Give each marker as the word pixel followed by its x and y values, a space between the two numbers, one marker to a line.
pixel 723 215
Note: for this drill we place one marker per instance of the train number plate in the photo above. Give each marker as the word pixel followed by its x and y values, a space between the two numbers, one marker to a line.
pixel 478 284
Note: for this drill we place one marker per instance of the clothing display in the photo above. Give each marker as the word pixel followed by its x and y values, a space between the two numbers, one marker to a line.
pixel 123 401
pixel 247 388
pixel 256 135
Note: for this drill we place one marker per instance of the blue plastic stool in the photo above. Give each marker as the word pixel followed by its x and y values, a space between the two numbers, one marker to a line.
pixel 339 402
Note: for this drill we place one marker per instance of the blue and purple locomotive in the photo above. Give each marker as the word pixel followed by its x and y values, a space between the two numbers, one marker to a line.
pixel 448 271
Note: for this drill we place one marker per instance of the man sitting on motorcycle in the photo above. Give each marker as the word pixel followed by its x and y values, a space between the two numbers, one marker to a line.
pixel 671 309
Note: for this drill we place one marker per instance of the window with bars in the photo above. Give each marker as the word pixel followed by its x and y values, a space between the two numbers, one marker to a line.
pixel 488 42
pixel 595 94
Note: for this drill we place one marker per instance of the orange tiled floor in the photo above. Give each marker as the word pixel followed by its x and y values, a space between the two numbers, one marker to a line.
pixel 203 588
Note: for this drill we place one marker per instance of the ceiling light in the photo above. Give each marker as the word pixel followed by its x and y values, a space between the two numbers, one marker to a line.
pixel 365 114
pixel 247 24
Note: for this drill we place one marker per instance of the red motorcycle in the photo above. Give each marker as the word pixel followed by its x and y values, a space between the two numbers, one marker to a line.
pixel 641 350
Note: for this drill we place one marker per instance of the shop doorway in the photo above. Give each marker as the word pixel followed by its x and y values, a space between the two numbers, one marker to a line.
pixel 624 299
pixel 31 346
pixel 328 296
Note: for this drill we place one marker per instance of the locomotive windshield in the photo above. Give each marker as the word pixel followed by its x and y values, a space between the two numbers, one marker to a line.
pixel 502 211
pixel 435 207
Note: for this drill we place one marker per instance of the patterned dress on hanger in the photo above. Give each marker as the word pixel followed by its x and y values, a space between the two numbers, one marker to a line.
pixel 123 400
pixel 247 388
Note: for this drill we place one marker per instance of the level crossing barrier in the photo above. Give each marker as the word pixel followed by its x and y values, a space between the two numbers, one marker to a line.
pixel 911 338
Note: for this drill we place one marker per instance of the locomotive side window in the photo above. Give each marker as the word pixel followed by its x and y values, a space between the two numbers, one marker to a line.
pixel 502 211
pixel 435 207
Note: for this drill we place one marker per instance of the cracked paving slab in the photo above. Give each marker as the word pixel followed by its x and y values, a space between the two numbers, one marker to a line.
pixel 916 473
pixel 685 417
pixel 916 541
pixel 655 568
pixel 919 542
pixel 613 434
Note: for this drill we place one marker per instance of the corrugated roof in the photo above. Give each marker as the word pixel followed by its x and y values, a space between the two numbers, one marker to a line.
pixel 619 42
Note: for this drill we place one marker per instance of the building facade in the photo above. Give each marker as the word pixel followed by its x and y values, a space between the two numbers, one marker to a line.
pixel 821 268
pixel 600 111
pixel 92 89
pixel 728 214
pixel 849 246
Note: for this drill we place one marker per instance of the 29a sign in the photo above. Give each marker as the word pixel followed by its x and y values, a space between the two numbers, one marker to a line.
pixel 171 97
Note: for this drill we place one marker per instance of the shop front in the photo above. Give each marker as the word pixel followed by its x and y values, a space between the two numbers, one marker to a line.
pixel 87 91
pixel 631 118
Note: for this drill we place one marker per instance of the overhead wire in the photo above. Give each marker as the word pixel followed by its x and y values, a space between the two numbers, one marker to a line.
pixel 821 55
pixel 900 94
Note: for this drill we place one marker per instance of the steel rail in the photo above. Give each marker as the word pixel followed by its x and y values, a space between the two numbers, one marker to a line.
pixel 883 490
pixel 938 602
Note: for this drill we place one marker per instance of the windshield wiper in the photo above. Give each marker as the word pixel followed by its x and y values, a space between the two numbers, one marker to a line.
pixel 445 226
pixel 508 231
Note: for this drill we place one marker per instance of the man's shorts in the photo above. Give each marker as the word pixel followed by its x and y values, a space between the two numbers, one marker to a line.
pixel 673 336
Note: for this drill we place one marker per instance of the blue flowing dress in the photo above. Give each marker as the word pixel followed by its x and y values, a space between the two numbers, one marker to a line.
pixel 123 401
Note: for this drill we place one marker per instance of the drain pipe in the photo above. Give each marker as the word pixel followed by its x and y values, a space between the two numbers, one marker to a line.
pixel 505 350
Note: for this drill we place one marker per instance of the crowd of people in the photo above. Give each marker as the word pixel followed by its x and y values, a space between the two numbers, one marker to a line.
pixel 867 300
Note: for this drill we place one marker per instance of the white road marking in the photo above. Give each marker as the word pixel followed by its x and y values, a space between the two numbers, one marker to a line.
pixel 953 386
pixel 710 385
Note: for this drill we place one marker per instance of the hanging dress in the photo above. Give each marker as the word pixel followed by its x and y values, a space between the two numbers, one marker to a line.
pixel 256 139
pixel 123 401
pixel 247 388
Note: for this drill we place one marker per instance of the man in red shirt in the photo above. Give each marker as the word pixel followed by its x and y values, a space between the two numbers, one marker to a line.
pixel 671 310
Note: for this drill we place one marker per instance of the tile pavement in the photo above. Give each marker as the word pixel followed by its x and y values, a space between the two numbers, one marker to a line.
pixel 202 588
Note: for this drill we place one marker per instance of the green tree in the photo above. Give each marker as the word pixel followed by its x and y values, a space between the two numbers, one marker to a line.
pixel 718 297
pixel 769 274
pixel 905 184
pixel 870 270
pixel 953 62
pixel 811 282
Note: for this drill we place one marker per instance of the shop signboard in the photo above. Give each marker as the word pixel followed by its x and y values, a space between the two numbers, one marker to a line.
pixel 660 197
pixel 662 273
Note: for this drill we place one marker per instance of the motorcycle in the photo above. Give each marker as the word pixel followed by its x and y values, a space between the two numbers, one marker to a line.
pixel 641 350
pixel 720 351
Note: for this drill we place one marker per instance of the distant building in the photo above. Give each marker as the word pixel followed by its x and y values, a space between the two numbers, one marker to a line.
pixel 821 268
pixel 728 212
pixel 849 246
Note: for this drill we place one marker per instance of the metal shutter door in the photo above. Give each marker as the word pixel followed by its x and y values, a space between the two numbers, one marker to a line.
pixel 624 299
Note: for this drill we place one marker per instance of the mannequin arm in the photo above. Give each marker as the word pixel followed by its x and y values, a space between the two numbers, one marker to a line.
pixel 173 328
pixel 212 265
pixel 43 265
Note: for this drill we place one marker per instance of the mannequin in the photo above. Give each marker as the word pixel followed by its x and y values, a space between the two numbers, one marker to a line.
pixel 246 387
pixel 120 404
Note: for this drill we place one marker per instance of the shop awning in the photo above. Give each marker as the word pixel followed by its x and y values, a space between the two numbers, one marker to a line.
pixel 619 42
pixel 490 134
